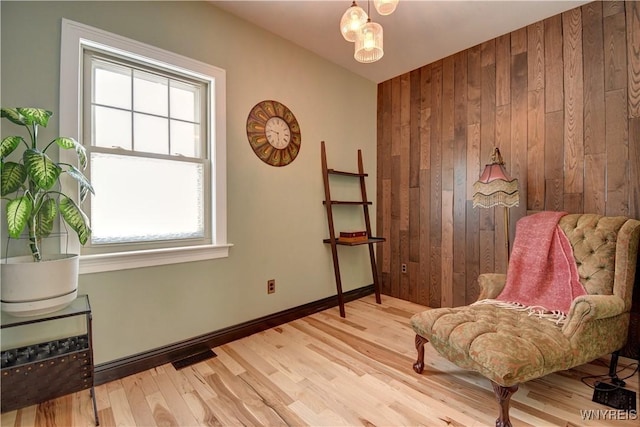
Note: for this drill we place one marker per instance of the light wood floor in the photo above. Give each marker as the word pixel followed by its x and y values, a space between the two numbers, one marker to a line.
pixel 325 371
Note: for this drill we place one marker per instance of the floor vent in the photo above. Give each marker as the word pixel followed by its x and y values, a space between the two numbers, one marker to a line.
pixel 193 359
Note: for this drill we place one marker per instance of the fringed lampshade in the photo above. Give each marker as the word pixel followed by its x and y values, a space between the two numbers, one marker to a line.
pixel 495 187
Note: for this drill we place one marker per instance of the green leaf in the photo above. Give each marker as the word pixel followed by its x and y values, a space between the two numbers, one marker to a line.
pixel 41 169
pixel 84 192
pixel 45 217
pixel 9 144
pixel 35 115
pixel 67 143
pixel 85 185
pixel 12 176
pixel 12 115
pixel 18 212
pixel 76 219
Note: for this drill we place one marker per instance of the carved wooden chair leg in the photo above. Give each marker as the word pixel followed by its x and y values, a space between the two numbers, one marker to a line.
pixel 503 396
pixel 419 365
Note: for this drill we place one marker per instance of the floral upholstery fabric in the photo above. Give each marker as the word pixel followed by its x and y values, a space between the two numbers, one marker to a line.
pixel 510 346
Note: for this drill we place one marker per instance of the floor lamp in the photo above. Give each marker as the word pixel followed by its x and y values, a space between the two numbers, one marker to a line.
pixel 496 188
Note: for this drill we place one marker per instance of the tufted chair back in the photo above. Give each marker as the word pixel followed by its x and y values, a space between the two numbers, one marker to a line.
pixel 594 239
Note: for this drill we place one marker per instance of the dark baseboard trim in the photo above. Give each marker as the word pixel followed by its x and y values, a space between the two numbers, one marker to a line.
pixel 130 365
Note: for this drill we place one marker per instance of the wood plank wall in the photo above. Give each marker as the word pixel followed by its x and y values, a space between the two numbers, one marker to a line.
pixel 560 98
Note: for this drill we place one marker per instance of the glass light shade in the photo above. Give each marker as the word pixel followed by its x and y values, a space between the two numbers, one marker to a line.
pixel 385 7
pixel 352 21
pixel 369 43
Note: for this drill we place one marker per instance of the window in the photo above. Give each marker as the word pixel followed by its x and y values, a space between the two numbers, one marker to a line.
pixel 145 135
pixel 153 126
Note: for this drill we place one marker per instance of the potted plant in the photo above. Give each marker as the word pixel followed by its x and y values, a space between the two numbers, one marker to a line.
pixel 31 188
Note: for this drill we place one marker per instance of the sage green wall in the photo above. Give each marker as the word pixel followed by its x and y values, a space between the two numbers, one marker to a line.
pixel 276 218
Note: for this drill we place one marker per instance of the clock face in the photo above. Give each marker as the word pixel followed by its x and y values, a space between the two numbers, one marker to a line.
pixel 278 132
pixel 273 133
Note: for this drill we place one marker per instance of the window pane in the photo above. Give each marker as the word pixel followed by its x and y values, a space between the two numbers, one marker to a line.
pixel 111 84
pixel 185 139
pixel 150 93
pixel 185 101
pixel 111 128
pixel 151 134
pixel 144 200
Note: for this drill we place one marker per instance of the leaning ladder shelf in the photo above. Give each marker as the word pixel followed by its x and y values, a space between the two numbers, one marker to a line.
pixel 333 239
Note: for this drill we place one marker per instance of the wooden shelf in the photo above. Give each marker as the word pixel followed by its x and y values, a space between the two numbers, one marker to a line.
pixel 354 174
pixel 343 202
pixel 365 212
pixel 363 242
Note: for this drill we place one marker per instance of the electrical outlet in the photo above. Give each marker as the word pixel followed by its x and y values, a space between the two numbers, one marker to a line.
pixel 271 286
pixel 404 268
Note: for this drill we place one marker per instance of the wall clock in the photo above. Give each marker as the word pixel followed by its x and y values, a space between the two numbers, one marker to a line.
pixel 273 133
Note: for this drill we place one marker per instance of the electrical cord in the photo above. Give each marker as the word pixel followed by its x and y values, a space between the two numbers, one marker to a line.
pixel 603 376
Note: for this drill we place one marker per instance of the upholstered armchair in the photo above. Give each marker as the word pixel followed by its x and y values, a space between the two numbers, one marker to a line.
pixel 510 346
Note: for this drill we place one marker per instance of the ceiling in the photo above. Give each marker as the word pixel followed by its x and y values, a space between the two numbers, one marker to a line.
pixel 417 33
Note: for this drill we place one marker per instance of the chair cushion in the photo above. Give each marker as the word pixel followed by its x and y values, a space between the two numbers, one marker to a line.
pixel 506 346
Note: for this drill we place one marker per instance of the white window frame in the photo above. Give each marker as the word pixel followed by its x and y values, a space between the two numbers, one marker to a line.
pixel 75 38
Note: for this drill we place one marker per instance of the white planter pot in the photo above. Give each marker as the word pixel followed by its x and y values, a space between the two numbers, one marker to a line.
pixel 30 288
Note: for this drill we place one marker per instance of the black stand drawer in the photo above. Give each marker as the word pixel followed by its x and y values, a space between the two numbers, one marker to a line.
pixel 27 382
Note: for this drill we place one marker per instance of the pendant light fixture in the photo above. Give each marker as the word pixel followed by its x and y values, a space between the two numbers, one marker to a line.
pixel 352 21
pixel 369 43
pixel 356 26
pixel 385 7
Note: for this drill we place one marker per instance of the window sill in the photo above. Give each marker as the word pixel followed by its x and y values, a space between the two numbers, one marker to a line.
pixel 150 258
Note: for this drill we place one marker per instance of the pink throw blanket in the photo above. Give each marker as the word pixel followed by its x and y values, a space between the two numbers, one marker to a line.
pixel 542 271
